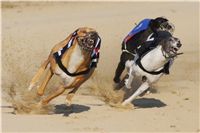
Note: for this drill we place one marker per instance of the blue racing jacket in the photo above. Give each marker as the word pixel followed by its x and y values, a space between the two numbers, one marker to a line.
pixel 143 25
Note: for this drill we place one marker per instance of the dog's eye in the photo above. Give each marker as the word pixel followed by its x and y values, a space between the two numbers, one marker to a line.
pixel 171 40
pixel 169 27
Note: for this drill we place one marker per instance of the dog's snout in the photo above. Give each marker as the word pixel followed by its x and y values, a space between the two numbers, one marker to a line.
pixel 178 42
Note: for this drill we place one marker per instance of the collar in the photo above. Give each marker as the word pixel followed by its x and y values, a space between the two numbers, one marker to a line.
pixel 138 62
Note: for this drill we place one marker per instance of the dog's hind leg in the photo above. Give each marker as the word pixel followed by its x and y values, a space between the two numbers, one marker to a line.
pixel 121 83
pixel 38 74
pixel 58 92
pixel 42 87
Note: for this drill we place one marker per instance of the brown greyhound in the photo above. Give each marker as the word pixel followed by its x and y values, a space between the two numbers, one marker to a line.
pixel 73 59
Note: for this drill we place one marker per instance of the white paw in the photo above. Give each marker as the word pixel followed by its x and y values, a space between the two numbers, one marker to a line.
pixel 128 85
pixel 30 87
pixel 148 92
pixel 125 103
pixel 68 103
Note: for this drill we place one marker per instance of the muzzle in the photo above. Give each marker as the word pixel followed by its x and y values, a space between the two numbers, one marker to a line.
pixel 170 50
pixel 167 26
pixel 88 41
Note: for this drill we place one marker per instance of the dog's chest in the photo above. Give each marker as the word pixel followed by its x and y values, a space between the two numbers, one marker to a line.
pixel 76 58
pixel 151 78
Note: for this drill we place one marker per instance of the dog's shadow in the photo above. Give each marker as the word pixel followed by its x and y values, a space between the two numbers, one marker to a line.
pixel 67 110
pixel 148 103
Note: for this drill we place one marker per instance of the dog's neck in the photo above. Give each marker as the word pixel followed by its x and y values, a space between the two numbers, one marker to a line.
pixel 86 55
pixel 154 60
pixel 76 59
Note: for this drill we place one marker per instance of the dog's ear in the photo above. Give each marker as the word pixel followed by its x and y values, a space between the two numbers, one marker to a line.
pixel 154 25
pixel 93 35
pixel 84 31
pixel 157 22
pixel 81 33
pixel 165 44
pixel 81 39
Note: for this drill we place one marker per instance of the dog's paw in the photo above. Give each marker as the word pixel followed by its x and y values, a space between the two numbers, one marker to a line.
pixel 40 93
pixel 127 105
pixel 30 87
pixel 42 103
pixel 68 102
pixel 69 99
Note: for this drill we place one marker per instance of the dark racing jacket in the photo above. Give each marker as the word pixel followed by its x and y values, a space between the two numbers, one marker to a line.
pixel 140 39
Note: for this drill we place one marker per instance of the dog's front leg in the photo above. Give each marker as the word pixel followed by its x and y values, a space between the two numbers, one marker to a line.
pixel 76 84
pixel 141 89
pixel 71 94
pixel 129 80
pixel 58 92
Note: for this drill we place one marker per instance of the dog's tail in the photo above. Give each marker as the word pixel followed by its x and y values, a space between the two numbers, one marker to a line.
pixel 39 73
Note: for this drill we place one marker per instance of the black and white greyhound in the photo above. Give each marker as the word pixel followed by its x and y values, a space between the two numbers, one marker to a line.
pixel 150 65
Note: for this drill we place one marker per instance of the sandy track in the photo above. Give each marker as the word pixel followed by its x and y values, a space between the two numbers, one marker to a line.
pixel 29 30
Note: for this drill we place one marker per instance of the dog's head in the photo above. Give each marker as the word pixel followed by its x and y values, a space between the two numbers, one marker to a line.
pixel 171 45
pixel 162 24
pixel 87 38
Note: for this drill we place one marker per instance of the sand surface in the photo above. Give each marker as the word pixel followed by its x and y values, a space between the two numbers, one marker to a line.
pixel 30 30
